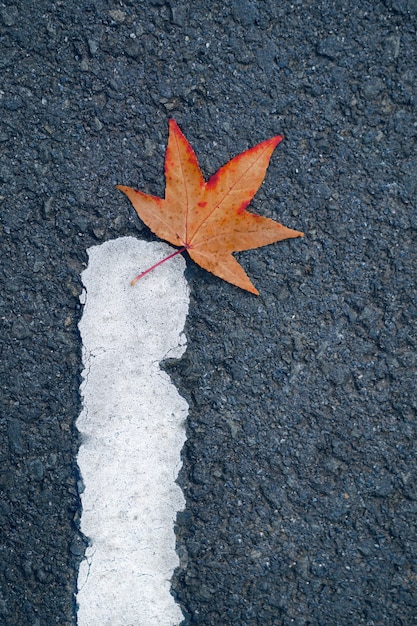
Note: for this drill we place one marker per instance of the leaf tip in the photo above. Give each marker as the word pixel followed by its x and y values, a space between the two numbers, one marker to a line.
pixel 276 140
pixel 172 124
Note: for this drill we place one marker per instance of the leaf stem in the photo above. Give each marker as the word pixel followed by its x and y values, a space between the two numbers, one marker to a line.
pixel 132 282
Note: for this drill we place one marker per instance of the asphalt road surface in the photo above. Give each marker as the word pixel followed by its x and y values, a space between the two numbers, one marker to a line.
pixel 299 470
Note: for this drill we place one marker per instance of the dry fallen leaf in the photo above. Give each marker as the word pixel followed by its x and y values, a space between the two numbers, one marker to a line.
pixel 209 219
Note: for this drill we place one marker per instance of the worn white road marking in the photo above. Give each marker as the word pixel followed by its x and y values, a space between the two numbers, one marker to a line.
pixel 132 431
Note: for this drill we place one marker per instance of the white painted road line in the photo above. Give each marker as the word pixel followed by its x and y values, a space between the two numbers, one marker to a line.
pixel 133 428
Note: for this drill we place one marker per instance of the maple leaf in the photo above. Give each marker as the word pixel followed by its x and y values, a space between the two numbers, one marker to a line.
pixel 209 219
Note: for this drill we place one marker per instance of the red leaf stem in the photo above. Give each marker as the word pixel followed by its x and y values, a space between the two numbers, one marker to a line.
pixel 132 282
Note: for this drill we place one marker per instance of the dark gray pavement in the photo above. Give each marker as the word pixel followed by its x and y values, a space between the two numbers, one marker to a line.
pixel 300 465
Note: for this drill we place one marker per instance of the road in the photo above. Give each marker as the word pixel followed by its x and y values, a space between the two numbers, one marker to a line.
pixel 299 465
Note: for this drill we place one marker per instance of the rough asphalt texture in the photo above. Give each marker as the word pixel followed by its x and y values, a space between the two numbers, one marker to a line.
pixel 300 467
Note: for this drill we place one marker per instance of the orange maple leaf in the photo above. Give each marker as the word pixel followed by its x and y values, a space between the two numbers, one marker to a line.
pixel 209 219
